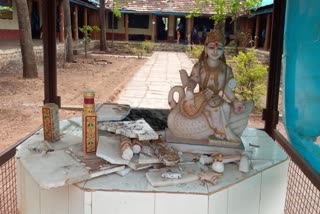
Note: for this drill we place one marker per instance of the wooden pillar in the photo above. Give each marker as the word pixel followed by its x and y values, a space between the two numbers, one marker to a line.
pixel 154 27
pixel 85 17
pixel 75 24
pixel 268 32
pixel 126 26
pixel 29 2
pixel 61 21
pixel 189 29
pixel 256 35
pixel 171 29
pixel 50 52
pixel 271 113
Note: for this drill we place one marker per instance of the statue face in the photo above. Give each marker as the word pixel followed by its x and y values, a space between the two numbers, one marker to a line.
pixel 214 50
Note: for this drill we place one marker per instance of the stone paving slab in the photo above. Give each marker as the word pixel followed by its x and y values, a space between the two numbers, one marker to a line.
pixel 150 86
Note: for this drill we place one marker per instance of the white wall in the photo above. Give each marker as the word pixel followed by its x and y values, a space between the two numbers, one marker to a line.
pixel 10 24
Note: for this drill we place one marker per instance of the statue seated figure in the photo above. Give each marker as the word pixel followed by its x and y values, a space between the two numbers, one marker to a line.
pixel 214 113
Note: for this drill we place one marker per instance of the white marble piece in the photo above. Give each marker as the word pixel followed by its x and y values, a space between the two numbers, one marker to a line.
pixel 148 159
pixel 124 171
pixel 139 129
pixel 203 149
pixel 198 146
pixel 56 169
pixel 260 164
pixel 133 129
pixel 109 150
pixel 189 173
pixel 111 111
pixel 36 145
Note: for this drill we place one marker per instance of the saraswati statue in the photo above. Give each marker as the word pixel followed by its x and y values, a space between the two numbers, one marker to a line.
pixel 213 114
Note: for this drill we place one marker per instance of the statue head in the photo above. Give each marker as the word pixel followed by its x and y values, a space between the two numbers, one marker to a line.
pixel 214 45
pixel 215 36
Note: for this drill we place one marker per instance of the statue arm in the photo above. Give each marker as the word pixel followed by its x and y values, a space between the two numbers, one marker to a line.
pixel 194 78
pixel 228 91
pixel 193 81
pixel 230 84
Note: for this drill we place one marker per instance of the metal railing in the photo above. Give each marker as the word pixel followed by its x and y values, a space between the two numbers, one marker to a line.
pixel 8 185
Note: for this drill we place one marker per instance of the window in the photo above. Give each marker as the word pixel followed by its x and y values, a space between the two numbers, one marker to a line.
pixel 138 21
pixel 115 21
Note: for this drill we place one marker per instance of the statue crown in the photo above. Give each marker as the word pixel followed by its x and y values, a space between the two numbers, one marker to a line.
pixel 215 36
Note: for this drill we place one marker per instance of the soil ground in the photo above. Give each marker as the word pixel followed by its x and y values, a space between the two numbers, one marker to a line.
pixel 21 99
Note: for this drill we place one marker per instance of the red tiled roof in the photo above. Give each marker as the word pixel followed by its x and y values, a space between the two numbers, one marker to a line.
pixel 159 6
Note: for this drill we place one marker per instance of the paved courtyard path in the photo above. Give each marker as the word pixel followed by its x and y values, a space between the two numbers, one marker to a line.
pixel 150 86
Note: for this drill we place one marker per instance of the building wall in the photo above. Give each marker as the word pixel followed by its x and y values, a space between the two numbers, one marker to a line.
pixel 119 33
pixel 9 28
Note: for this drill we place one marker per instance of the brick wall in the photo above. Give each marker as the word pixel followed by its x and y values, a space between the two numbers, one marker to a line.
pixel 9 34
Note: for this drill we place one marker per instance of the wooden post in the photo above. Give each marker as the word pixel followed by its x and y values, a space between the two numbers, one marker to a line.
pixel 268 32
pixel 126 26
pixel 271 113
pixel 189 30
pixel 85 17
pixel 61 22
pixel 153 28
pixel 50 52
pixel 75 24
pixel 29 2
pixel 256 36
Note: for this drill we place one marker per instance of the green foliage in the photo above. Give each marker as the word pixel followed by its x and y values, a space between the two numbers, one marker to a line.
pixel 5 8
pixel 195 51
pixel 250 74
pixel 147 45
pixel 225 8
pixel 116 8
pixel 137 51
pixel 87 30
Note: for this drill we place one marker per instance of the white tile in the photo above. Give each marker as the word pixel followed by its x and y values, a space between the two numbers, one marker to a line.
pixel 122 202
pixel 244 197
pixel 273 189
pixel 76 200
pixel 87 203
pixel 31 196
pixel 186 203
pixel 218 203
pixel 55 201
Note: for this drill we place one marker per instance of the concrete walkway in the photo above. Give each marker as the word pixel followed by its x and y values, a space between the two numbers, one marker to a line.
pixel 150 86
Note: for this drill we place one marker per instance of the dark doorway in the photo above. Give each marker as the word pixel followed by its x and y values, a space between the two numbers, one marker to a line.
pixel 35 21
pixel 181 27
pixel 80 20
pixel 162 28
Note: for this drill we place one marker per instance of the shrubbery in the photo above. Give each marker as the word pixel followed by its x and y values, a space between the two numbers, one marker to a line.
pixel 250 74
pixel 147 45
pixel 195 51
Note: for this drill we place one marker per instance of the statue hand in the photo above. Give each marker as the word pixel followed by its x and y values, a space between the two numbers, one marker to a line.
pixel 189 95
pixel 190 99
pixel 238 106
